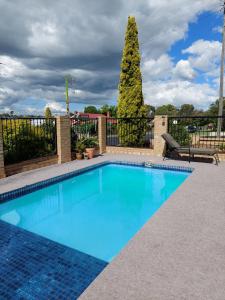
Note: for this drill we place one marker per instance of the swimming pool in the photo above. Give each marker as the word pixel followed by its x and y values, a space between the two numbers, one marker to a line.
pixel 96 212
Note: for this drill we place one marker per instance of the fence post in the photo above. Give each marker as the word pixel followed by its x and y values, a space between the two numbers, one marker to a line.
pixel 160 127
pixel 102 134
pixel 63 139
pixel 2 166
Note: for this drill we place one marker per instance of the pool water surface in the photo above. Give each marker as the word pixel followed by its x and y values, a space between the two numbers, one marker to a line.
pixel 96 212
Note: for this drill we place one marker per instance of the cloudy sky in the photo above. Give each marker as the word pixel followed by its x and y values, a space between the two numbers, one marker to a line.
pixel 44 40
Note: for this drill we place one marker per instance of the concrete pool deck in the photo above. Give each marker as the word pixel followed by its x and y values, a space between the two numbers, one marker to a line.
pixel 178 254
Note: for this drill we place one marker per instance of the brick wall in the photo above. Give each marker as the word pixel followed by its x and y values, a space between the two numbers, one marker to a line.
pixel 30 165
pixel 128 150
pixel 102 134
pixel 63 139
pixel 160 127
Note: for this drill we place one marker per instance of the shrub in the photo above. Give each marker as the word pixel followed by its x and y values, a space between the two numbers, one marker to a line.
pixel 25 141
pixel 90 142
pixel 180 134
pixel 80 146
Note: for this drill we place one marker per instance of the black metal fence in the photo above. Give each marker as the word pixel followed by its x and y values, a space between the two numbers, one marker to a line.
pixel 130 132
pixel 83 128
pixel 198 131
pixel 28 138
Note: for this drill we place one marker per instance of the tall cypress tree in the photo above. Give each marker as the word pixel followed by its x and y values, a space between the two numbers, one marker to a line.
pixel 130 100
pixel 48 113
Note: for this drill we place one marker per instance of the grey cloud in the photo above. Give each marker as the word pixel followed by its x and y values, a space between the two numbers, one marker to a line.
pixel 85 38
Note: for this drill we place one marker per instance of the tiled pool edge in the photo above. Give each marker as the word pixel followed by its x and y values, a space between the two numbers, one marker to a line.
pixel 10 195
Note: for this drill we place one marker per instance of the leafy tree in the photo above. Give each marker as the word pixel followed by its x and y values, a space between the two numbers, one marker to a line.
pixel 186 110
pixel 91 109
pixel 112 109
pixel 150 110
pixel 48 113
pixel 130 100
pixel 214 107
pixel 167 109
pixel 213 111
pixel 180 134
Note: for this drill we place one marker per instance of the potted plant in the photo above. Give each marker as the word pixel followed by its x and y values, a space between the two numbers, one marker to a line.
pixel 90 145
pixel 80 147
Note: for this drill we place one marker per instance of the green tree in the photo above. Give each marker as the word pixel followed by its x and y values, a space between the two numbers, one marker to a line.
pixel 150 110
pixel 213 111
pixel 214 108
pixel 167 109
pixel 48 113
pixel 91 109
pixel 111 109
pixel 186 110
pixel 130 100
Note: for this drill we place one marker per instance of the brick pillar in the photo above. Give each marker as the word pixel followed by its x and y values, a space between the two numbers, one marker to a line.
pixel 102 134
pixel 160 127
pixel 63 139
pixel 2 167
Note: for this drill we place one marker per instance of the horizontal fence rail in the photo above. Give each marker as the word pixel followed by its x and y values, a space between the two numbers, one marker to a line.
pixel 198 131
pixel 28 138
pixel 130 132
pixel 83 128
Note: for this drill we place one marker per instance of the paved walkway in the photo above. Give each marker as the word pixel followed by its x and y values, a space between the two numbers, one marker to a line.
pixel 178 254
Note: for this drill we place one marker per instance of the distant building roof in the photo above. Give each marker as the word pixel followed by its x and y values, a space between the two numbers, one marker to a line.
pixel 87 115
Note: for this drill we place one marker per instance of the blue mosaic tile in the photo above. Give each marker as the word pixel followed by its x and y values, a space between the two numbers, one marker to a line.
pixel 33 267
pixel 39 185
pixel 169 167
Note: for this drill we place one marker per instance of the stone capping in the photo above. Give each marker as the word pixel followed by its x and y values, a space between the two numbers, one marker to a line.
pixel 4 197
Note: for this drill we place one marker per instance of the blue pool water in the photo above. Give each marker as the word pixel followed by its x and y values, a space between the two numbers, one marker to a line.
pixel 96 212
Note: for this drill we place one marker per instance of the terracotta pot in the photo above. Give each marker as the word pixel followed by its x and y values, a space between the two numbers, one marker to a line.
pixel 90 152
pixel 79 156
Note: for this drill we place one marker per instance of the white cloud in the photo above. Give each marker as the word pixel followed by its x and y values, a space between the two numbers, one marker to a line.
pixel 178 93
pixel 204 55
pixel 56 107
pixel 10 67
pixel 218 29
pixel 183 70
pixel 48 39
pixel 156 69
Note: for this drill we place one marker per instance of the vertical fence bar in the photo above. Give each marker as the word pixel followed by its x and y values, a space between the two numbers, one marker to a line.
pixel 198 131
pixel 130 132
pixel 83 128
pixel 28 138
